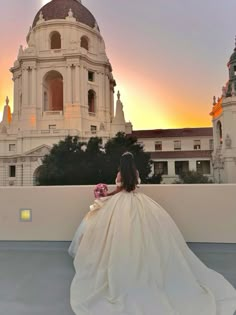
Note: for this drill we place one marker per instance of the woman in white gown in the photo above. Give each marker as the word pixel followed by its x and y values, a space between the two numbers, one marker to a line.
pixel 133 260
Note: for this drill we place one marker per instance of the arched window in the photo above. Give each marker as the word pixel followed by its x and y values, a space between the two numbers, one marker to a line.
pixel 84 42
pixel 219 132
pixel 91 101
pixel 53 92
pixel 55 40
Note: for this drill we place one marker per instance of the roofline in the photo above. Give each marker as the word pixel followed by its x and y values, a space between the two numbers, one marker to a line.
pixel 173 132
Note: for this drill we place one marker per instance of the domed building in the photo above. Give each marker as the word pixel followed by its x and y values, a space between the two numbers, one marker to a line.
pixel 63 85
pixel 224 129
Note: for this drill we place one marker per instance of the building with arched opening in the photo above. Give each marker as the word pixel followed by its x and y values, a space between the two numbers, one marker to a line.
pixel 63 85
pixel 224 129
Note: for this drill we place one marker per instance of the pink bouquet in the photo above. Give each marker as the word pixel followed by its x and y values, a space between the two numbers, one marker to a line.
pixel 100 190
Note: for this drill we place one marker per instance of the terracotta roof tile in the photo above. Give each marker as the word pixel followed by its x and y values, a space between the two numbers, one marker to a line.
pixel 181 154
pixel 177 133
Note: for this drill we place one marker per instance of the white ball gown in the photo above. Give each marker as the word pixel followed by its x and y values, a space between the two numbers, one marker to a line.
pixel 133 260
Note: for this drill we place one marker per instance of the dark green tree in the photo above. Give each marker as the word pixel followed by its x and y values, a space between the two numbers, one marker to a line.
pixel 93 164
pixel 72 162
pixel 115 147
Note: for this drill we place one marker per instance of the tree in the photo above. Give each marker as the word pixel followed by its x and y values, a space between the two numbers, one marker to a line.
pixel 72 162
pixel 193 177
pixel 115 147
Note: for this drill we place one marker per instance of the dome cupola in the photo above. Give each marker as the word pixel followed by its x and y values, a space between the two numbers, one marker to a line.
pixel 58 9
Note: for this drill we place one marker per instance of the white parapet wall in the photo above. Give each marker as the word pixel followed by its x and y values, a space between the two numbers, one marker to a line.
pixel 204 213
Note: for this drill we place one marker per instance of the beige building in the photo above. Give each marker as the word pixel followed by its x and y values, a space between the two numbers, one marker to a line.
pixel 63 85
pixel 224 129
pixel 178 150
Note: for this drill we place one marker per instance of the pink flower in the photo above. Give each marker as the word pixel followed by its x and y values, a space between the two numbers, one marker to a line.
pixel 100 190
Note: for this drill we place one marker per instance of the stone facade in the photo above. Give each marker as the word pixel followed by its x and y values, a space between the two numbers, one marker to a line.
pixel 63 85
pixel 176 150
pixel 224 129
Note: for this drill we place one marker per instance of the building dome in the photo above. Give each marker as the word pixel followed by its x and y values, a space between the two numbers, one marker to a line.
pixel 58 9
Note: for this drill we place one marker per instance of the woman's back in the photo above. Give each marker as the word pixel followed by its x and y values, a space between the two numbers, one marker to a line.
pixel 128 174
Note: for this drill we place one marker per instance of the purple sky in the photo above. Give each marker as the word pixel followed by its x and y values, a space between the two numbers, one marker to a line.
pixel 169 57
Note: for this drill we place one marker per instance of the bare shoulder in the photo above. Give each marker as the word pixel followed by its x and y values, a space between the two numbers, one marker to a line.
pixel 118 177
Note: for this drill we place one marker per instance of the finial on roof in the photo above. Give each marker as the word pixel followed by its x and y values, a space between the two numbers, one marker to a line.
pixel 7 100
pixel 214 100
pixel 223 91
pixel 41 15
pixel 70 13
pixel 118 95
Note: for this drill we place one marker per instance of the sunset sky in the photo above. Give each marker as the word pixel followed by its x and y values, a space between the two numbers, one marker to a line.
pixel 168 57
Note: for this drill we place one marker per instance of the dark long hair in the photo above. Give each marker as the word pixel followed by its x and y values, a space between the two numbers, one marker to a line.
pixel 128 172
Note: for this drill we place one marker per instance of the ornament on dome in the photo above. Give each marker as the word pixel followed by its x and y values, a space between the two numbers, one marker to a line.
pixel 95 26
pixel 70 13
pixel 224 91
pixel 70 16
pixel 214 100
pixel 119 116
pixel 41 18
pixel 6 118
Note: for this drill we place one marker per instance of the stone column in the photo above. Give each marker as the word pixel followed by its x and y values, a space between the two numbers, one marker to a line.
pixel 34 87
pixel 101 90
pixel 107 98
pixel 192 165
pixel 85 86
pixel 68 84
pixel 19 174
pixel 111 103
pixel 171 168
pixel 77 84
pixel 16 95
pixel 84 90
pixel 24 87
pixel 80 86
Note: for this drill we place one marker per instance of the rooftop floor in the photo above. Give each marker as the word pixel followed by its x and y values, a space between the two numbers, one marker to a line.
pixel 35 277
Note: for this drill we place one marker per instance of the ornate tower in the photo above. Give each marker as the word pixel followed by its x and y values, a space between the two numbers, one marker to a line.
pixel 63 85
pixel 63 79
pixel 224 128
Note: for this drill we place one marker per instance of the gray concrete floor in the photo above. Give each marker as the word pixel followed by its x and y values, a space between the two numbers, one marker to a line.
pixel 35 277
